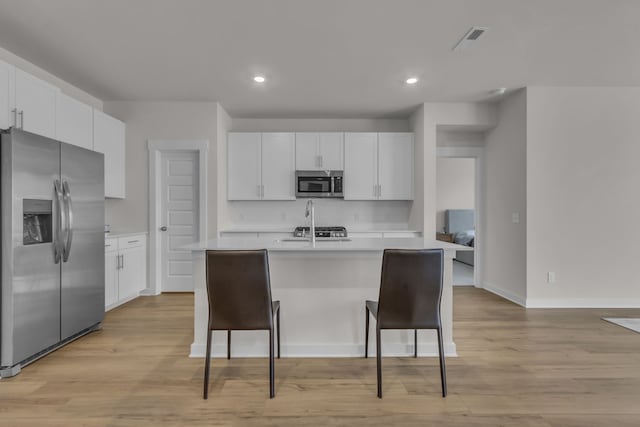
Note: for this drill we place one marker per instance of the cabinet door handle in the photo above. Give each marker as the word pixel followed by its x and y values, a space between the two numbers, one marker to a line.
pixel 258 187
pixel 379 190
pixel 320 161
pixel 118 262
pixel 21 114
pixel 122 263
pixel 375 193
pixel 262 193
pixel 134 241
pixel 15 117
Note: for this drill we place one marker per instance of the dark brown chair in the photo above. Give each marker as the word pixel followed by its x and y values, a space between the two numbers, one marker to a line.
pixel 410 295
pixel 239 292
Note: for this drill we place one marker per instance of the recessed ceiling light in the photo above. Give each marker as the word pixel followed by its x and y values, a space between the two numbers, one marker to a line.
pixel 499 91
pixel 412 80
pixel 259 79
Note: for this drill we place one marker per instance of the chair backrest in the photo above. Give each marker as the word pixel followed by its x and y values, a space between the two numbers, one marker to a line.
pixel 411 289
pixel 239 290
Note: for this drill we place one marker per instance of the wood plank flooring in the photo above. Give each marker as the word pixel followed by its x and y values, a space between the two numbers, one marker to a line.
pixel 516 367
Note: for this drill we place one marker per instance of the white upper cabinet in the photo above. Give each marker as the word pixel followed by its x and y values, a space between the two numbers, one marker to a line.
pixel 244 166
pixel 35 101
pixel 307 151
pixel 260 166
pixel 378 166
pixel 74 122
pixel 7 96
pixel 278 166
pixel 319 151
pixel 360 166
pixel 395 166
pixel 109 139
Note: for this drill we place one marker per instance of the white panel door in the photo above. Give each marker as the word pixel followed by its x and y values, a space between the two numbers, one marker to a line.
pixel 244 166
pixel 109 139
pixel 36 104
pixel 395 166
pixel 307 157
pixel 278 166
pixel 74 122
pixel 360 165
pixel 331 148
pixel 180 208
pixel 7 95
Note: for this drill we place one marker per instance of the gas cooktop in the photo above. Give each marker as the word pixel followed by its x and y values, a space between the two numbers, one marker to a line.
pixel 330 232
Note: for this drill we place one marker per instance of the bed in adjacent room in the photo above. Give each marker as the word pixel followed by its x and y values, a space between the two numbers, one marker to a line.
pixel 460 223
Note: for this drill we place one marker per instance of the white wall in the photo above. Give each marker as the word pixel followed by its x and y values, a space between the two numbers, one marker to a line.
pixel 455 180
pixel 157 120
pixel 583 207
pixel 65 87
pixel 416 214
pixel 504 243
pixel 320 125
pixel 426 122
pixel 459 138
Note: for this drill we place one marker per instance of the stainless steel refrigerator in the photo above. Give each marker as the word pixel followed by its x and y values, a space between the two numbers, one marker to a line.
pixel 52 234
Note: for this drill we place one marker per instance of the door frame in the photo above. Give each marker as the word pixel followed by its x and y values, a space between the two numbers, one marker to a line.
pixel 156 148
pixel 476 153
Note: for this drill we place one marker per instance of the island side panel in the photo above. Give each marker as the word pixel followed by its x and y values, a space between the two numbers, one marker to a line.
pixel 322 296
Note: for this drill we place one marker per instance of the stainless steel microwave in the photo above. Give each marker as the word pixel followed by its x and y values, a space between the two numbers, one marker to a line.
pixel 311 184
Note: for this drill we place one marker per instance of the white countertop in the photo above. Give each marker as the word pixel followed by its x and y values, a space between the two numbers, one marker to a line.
pixel 353 245
pixel 116 234
pixel 282 229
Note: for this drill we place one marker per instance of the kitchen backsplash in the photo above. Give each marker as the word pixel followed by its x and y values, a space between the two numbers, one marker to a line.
pixel 360 214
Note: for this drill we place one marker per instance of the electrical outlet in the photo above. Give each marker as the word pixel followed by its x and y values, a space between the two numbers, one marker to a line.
pixel 551 277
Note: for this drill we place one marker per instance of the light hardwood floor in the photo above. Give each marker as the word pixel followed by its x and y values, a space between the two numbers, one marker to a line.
pixel 516 368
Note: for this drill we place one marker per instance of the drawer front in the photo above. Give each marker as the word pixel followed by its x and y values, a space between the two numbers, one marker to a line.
pixel 111 245
pixel 131 242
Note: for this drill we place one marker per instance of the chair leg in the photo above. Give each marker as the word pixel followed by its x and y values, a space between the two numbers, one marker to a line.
pixel 278 331
pixel 415 343
pixel 272 391
pixel 366 333
pixel 207 362
pixel 379 361
pixel 443 373
pixel 228 344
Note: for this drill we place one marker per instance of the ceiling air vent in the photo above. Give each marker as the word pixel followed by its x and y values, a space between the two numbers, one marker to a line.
pixel 472 35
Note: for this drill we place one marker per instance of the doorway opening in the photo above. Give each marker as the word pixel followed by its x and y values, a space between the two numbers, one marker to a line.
pixel 458 209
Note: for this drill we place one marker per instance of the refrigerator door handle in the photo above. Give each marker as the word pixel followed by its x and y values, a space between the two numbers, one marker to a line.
pixel 69 213
pixel 57 242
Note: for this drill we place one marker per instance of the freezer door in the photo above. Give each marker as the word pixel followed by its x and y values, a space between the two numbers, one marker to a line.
pixel 82 298
pixel 30 303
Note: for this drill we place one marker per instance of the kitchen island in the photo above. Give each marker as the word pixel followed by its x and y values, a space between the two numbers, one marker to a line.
pixel 322 290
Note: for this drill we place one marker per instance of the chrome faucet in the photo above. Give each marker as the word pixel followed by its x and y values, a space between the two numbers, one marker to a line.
pixel 312 229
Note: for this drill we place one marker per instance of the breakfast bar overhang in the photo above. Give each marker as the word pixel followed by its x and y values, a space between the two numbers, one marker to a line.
pixel 322 289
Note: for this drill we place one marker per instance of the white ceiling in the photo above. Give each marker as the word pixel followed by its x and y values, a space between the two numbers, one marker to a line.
pixel 323 58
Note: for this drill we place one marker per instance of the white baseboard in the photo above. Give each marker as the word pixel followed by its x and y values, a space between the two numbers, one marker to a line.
pixel 330 350
pixel 582 303
pixel 518 299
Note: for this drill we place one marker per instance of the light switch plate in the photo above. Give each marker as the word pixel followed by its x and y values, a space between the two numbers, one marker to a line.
pixel 515 218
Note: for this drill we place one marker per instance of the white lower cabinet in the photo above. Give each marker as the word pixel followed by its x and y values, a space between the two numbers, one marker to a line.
pixel 125 269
